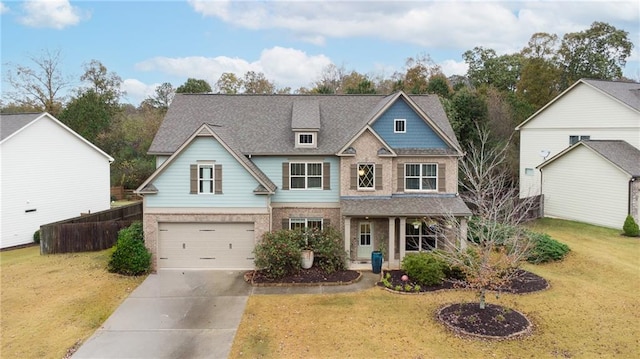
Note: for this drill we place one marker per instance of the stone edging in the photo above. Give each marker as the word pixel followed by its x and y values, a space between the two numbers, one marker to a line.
pixel 248 277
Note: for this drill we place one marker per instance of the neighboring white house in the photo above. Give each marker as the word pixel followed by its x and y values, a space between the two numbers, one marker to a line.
pixel 595 182
pixel 47 173
pixel 589 109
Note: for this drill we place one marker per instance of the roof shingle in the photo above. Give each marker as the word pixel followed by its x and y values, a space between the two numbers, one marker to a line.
pixel 262 124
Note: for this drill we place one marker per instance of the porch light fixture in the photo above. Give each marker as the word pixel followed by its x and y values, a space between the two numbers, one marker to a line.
pixel 361 172
pixel 416 224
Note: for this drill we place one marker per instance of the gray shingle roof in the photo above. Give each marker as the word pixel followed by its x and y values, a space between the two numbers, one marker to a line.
pixel 9 124
pixel 426 205
pixel 618 152
pixel 261 124
pixel 306 115
pixel 226 136
pixel 626 92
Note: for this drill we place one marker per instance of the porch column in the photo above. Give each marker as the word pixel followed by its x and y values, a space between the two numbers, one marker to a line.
pixel 347 234
pixel 463 233
pixel 403 239
pixel 392 241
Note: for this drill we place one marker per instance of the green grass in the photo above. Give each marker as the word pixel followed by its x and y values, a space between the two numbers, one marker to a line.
pixel 50 303
pixel 590 310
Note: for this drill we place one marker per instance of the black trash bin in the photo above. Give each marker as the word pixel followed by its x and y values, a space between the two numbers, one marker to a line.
pixel 376 261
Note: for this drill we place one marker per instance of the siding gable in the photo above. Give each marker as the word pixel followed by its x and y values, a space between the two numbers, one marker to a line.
pixel 174 183
pixel 418 133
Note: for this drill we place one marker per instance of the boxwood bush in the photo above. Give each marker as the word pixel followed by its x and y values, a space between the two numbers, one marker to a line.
pixel 130 256
pixel 424 268
pixel 630 227
pixel 546 249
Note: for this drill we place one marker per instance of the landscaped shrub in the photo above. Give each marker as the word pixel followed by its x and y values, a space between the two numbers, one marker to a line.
pixel 545 249
pixel 36 237
pixel 279 253
pixel 630 227
pixel 425 268
pixel 130 256
pixel 328 250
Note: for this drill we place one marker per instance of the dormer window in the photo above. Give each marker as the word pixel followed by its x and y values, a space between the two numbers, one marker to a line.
pixel 305 139
pixel 399 125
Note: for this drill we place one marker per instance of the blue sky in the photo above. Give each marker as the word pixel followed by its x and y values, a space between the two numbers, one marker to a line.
pixel 150 42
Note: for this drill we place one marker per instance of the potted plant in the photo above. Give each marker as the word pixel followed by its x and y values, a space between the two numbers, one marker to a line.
pixel 307 252
pixel 377 257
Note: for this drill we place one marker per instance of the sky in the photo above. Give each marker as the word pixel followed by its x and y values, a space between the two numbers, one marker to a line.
pixel 150 42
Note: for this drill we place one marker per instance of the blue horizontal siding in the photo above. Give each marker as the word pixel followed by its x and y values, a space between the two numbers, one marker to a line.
pixel 418 133
pixel 173 183
pixel 272 167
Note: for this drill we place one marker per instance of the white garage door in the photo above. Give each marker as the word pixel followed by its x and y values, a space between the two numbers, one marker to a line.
pixel 206 245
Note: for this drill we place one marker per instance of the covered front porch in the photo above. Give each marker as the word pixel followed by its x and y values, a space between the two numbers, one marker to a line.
pixel 399 225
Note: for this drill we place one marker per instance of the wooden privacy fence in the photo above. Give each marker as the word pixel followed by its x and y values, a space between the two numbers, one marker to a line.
pixel 91 232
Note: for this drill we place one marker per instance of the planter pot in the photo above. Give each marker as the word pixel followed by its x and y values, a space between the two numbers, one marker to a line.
pixel 307 259
pixel 376 262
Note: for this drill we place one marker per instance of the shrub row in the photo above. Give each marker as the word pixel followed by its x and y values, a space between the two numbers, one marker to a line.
pixel 279 253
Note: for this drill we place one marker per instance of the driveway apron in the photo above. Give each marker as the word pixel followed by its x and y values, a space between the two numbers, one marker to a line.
pixel 174 314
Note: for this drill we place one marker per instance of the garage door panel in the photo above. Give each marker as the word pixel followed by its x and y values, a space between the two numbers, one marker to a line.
pixel 206 245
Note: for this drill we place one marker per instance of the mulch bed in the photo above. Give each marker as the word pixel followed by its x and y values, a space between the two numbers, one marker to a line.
pixel 493 322
pixel 523 282
pixel 313 275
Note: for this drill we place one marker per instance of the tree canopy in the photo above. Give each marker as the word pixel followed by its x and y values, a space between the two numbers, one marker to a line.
pixel 194 86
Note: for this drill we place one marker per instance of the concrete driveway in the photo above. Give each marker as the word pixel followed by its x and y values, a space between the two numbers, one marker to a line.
pixel 174 314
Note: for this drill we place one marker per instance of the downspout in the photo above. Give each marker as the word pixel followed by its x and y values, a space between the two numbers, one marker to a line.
pixel 630 198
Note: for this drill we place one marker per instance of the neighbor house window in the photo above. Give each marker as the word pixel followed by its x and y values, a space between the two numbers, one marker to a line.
pixel 366 176
pixel 305 223
pixel 528 171
pixel 575 139
pixel 421 176
pixel 422 237
pixel 399 126
pixel 205 178
pixel 305 175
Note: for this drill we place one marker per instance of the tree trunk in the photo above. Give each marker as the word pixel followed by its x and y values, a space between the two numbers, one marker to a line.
pixel 482 298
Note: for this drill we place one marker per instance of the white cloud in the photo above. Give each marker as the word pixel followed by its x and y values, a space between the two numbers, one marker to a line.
pixel 137 91
pixel 56 14
pixel 452 67
pixel 3 8
pixel 503 26
pixel 285 66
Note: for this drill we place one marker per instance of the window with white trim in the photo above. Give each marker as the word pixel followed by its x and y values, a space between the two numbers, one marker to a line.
pixel 305 223
pixel 205 178
pixel 420 237
pixel 303 175
pixel 305 139
pixel 575 139
pixel 421 176
pixel 399 125
pixel 366 176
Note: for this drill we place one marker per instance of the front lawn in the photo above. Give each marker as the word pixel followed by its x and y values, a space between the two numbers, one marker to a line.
pixel 50 303
pixel 590 310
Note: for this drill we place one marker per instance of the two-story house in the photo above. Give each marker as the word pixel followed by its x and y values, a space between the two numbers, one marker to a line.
pixel 582 152
pixel 381 169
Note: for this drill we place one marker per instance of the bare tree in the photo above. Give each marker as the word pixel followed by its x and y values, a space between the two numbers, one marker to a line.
pixel 40 85
pixel 497 243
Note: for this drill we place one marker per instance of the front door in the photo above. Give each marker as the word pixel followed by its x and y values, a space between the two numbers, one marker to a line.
pixel 365 237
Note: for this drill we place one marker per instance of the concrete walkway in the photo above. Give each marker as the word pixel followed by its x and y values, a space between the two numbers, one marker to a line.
pixel 187 314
